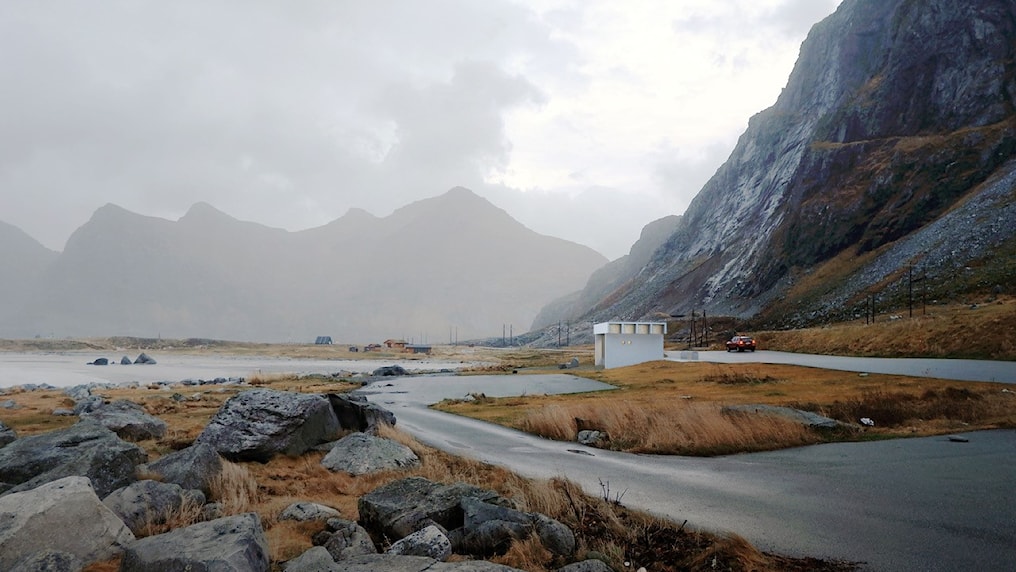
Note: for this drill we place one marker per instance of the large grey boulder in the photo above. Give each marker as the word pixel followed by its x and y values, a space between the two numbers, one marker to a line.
pixel 488 529
pixel 229 544
pixel 308 511
pixel 316 559
pixel 258 424
pixel 402 507
pixel 357 414
pixel 64 516
pixel 7 434
pixel 347 539
pixel 49 560
pixel 430 541
pixel 399 563
pixel 88 403
pixel 806 418
pixel 128 420
pixel 193 467
pixel 144 359
pixel 361 454
pixel 144 503
pixel 85 449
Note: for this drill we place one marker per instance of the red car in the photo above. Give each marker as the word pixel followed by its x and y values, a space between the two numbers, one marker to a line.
pixel 741 343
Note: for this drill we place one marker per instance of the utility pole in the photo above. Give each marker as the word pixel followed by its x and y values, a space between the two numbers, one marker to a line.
pixel 511 335
pixel 693 340
pixel 502 334
pixel 567 334
pixel 909 288
pixel 705 329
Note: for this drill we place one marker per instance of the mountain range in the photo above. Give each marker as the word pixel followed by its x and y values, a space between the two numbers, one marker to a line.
pixel 450 266
pixel 886 162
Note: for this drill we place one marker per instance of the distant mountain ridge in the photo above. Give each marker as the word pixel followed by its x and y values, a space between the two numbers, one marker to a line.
pixel 450 265
pixel 892 147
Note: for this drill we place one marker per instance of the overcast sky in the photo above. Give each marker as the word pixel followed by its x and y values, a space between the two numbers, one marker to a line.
pixel 584 119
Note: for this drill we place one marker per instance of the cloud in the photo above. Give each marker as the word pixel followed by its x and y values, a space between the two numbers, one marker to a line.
pixel 290 113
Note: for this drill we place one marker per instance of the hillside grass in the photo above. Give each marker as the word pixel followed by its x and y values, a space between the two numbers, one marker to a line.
pixel 604 527
pixel 983 328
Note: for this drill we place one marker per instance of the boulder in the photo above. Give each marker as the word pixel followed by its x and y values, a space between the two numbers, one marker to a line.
pixel 144 503
pixel 399 563
pixel 258 424
pixel 806 418
pixel 9 404
pixel 85 449
pixel 229 544
pixel 489 529
pixel 430 541
pixel 357 414
pixel 79 392
pixel 125 361
pixel 193 467
pixel 361 454
pixel 88 403
pixel 390 371
pixel 49 560
pixel 99 361
pixel 7 434
pixel 316 559
pixel 305 511
pixel 144 359
pixel 592 437
pixel 128 420
pixel 64 516
pixel 402 507
pixel 347 539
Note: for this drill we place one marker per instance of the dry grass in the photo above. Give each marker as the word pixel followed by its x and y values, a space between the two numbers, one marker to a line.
pixel 188 513
pixel 984 330
pixel 673 407
pixel 682 427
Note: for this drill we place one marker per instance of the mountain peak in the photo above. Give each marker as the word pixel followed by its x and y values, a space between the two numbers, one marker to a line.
pixel 202 211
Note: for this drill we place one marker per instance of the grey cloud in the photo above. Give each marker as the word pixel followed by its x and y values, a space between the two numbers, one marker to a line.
pixel 269 111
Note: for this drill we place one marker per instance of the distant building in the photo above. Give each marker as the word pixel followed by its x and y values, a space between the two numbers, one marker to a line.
pixel 417 349
pixel 372 348
pixel 354 349
pixel 617 344
pixel 323 340
pixel 395 344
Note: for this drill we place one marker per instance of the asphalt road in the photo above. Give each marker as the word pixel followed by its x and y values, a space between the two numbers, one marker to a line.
pixel 904 505
pixel 959 369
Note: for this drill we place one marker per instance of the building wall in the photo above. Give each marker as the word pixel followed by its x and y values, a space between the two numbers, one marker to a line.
pixel 619 350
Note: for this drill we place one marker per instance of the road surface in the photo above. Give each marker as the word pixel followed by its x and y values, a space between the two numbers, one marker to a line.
pixel 916 504
pixel 958 369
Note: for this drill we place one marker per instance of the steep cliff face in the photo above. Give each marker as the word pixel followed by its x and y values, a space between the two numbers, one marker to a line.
pixel 896 112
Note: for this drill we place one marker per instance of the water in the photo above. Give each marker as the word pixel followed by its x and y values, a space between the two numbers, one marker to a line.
pixel 67 369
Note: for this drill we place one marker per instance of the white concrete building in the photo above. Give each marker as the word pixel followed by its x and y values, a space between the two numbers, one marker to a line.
pixel 618 344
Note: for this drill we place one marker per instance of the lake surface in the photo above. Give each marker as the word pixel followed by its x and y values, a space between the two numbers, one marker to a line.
pixel 67 369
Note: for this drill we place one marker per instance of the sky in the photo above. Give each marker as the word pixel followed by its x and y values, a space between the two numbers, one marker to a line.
pixel 583 119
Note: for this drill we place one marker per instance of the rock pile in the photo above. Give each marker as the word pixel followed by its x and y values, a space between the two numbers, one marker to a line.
pixel 90 479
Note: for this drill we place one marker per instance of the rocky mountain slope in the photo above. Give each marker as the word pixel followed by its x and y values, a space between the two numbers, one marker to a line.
pixel 890 148
pixel 23 260
pixel 453 263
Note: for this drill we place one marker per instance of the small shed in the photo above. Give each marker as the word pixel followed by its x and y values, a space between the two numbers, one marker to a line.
pixel 323 340
pixel 617 344
pixel 395 344
pixel 417 349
